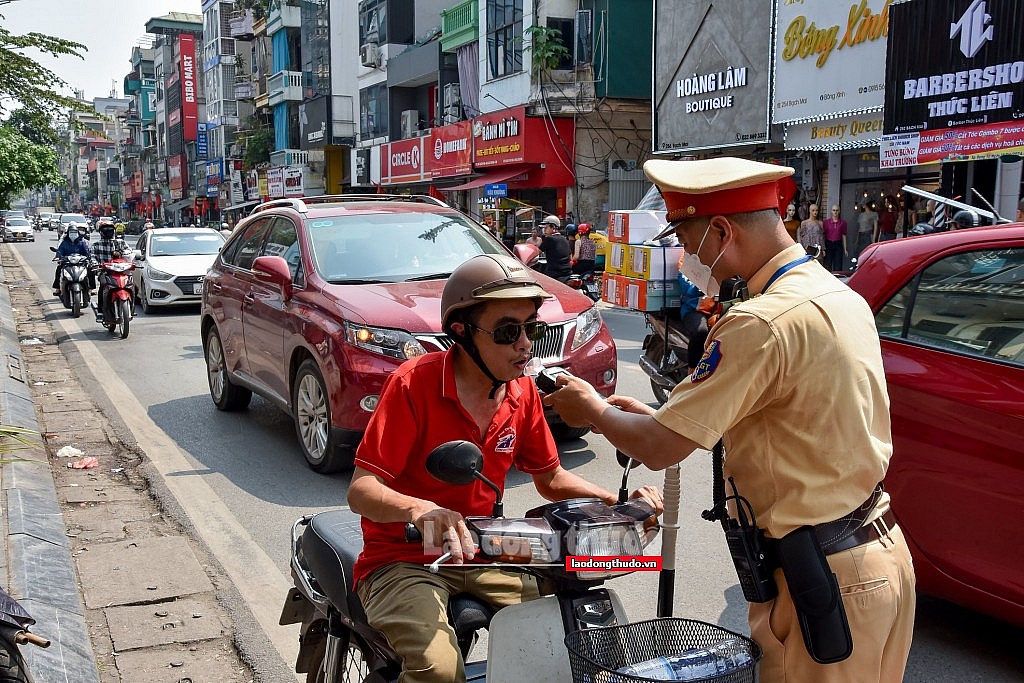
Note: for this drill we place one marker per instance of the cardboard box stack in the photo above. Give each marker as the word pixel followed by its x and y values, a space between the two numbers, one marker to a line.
pixel 640 276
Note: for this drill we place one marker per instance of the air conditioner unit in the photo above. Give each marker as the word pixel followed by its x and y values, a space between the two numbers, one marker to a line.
pixel 410 123
pixel 369 54
pixel 452 103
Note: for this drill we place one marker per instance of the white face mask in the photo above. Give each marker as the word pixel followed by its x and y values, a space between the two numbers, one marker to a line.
pixel 701 271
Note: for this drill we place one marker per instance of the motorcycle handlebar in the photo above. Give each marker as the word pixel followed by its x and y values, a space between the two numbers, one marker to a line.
pixel 412 534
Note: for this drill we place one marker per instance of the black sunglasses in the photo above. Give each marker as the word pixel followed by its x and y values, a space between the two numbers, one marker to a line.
pixel 508 333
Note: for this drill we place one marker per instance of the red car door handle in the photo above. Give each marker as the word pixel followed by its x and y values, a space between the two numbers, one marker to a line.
pixel 214 286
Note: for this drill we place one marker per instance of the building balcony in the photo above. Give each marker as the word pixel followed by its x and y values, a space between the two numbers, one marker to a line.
pixel 460 25
pixel 242 25
pixel 283 16
pixel 131 150
pixel 285 86
pixel 289 157
pixel 245 91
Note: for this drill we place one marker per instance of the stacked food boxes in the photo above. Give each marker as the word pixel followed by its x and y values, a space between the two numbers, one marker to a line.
pixel 637 275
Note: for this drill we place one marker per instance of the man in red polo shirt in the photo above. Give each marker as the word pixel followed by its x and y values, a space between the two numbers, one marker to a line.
pixel 475 391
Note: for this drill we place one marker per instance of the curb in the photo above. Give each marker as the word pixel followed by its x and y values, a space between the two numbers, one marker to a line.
pixel 35 555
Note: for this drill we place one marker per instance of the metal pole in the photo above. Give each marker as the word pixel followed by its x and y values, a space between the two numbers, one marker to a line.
pixel 670 530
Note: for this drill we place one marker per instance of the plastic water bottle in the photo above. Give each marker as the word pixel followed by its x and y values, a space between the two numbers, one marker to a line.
pixel 721 658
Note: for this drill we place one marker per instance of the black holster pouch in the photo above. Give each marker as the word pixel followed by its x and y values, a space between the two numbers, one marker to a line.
pixel 815 592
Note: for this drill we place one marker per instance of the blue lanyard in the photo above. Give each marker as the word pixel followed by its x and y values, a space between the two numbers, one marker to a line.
pixel 785 269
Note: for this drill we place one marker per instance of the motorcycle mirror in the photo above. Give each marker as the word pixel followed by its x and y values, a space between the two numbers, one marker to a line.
pixel 624 460
pixel 459 463
pixel 53 249
pixel 626 463
pixel 455 462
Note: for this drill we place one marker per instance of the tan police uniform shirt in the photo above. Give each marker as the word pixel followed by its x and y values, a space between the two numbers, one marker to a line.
pixel 793 378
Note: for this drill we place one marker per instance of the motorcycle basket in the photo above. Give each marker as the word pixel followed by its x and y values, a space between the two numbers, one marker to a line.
pixel 596 654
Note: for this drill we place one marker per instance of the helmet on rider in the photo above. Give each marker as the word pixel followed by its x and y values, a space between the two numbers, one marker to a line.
pixel 484 278
pixel 583 229
pixel 966 218
pixel 551 220
pixel 149 225
pixel 74 233
pixel 106 228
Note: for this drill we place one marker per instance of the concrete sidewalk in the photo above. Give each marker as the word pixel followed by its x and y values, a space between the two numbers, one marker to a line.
pixel 112 578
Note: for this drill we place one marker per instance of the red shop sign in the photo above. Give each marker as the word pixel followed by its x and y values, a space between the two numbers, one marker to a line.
pixel 499 138
pixel 189 103
pixel 402 162
pixel 450 150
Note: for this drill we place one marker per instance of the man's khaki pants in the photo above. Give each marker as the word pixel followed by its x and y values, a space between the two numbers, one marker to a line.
pixel 877 583
pixel 410 606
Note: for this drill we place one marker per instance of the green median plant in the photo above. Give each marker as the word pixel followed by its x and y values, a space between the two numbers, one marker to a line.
pixel 14 439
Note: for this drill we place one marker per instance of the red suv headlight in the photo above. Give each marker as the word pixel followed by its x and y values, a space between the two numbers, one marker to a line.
pixel 383 340
pixel 588 324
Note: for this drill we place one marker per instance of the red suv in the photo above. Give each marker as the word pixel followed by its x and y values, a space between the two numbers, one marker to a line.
pixel 950 314
pixel 312 303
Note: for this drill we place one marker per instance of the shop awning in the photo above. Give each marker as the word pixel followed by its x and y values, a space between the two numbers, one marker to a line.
pixel 180 204
pixel 243 205
pixel 495 176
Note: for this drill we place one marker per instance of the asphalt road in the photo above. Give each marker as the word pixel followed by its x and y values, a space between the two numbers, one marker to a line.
pixel 242 480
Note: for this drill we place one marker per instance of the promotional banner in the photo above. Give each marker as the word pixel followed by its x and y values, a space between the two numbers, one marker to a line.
pixel 293 181
pixel 402 162
pixel 313 119
pixel 951 144
pixel 202 148
pixel 712 64
pixel 829 58
pixel 275 182
pixel 176 173
pixel 955 63
pixel 237 187
pixel 189 101
pixel 252 184
pixel 451 150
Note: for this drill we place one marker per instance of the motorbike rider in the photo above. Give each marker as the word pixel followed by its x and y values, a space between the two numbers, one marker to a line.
pixel 474 391
pixel 73 242
pixel 965 218
pixel 108 247
pixel 804 456
pixel 584 250
pixel 556 249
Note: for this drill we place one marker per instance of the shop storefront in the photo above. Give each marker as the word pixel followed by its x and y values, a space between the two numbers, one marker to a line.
pixel 830 96
pixel 521 162
pixel 958 98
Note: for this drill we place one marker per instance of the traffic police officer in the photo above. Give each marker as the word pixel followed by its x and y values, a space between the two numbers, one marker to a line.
pixel 791 381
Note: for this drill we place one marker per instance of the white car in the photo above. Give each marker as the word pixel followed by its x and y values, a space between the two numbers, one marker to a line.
pixel 18 230
pixel 170 264
pixel 72 219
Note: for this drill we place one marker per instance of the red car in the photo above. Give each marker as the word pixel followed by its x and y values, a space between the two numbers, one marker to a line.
pixel 950 313
pixel 313 302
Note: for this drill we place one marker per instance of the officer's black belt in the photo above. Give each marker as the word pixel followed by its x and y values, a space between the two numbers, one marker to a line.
pixel 832 535
pixel 867 533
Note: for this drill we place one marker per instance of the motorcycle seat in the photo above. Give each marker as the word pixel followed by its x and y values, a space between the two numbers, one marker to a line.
pixel 329 548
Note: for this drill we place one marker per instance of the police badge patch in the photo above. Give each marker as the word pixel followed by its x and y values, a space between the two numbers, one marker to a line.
pixel 708 362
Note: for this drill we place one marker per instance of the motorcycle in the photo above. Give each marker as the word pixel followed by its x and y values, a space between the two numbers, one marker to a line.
pixel 665 358
pixel 73 282
pixel 337 643
pixel 116 294
pixel 14 623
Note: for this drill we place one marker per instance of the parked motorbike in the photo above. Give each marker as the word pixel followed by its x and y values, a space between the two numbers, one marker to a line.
pixel 665 358
pixel 116 295
pixel 14 623
pixel 337 643
pixel 73 282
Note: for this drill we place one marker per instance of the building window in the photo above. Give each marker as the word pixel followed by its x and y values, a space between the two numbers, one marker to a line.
pixel 373 22
pixel 373 111
pixel 504 37
pixel 565 39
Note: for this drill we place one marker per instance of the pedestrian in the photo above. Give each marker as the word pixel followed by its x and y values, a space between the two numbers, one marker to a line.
pixel 556 249
pixel 535 237
pixel 867 226
pixel 887 220
pixel 834 228
pixel 584 250
pixel 474 391
pixel 811 232
pixel 791 387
